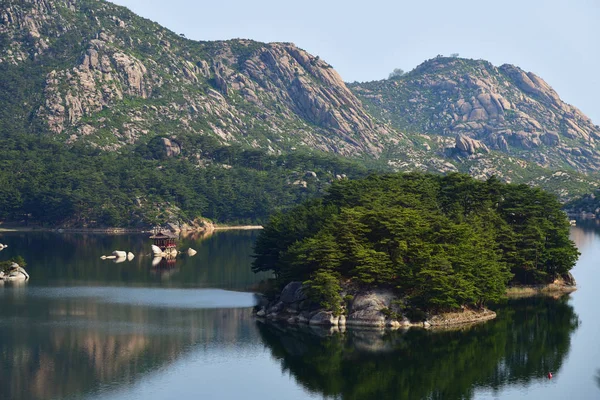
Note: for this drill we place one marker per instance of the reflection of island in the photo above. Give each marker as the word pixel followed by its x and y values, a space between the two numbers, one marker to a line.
pixel 85 345
pixel 529 338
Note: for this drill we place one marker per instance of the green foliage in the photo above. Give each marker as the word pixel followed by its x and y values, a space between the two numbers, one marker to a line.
pixel 440 241
pixel 396 73
pixel 324 289
pixel 45 182
pixel 588 203
pixel 5 265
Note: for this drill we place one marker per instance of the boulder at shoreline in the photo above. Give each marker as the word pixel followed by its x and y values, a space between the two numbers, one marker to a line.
pixel 370 308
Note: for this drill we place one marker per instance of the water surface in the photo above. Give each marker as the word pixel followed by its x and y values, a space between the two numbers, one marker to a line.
pixel 84 328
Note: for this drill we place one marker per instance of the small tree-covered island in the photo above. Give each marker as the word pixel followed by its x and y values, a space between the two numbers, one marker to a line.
pixel 412 249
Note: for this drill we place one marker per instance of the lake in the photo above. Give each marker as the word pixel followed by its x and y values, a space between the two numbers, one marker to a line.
pixel 86 328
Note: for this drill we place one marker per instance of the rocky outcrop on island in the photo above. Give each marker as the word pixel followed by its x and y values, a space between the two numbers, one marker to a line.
pixel 374 308
pixel 14 273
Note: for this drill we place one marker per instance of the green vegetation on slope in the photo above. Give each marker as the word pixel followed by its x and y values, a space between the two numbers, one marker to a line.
pixel 440 241
pixel 587 204
pixel 105 78
pixel 507 109
pixel 45 182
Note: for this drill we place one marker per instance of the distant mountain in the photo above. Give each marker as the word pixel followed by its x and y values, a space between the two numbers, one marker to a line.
pixel 481 107
pixel 104 74
pixel 93 96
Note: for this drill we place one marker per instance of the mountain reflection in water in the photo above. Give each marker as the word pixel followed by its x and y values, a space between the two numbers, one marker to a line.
pixel 529 338
pixel 79 345
pixel 88 329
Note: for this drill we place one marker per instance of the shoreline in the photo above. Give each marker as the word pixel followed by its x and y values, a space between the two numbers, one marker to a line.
pixel 238 227
pixel 443 321
pixel 120 231
pixel 376 308
pixel 551 289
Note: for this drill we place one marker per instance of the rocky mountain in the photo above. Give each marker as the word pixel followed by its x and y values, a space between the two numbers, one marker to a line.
pixel 113 78
pixel 476 107
pixel 109 119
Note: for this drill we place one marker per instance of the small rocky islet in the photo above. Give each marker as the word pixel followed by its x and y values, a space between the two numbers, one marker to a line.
pixel 412 250
pixel 14 272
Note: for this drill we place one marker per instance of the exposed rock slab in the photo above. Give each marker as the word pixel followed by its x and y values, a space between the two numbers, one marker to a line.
pixel 375 309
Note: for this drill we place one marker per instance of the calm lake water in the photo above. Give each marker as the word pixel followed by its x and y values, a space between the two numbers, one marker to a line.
pixel 84 328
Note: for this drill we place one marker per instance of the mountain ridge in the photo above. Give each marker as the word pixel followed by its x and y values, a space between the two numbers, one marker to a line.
pixel 114 89
pixel 256 90
pixel 504 108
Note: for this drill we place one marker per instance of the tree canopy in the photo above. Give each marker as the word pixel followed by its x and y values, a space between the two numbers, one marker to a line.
pixel 396 73
pixel 440 241
pixel 45 182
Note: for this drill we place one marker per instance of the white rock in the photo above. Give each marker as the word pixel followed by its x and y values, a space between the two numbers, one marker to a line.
pixel 393 324
pixel 191 252
pixel 366 308
pixel 156 250
pixel 156 261
pixel 16 273
pixel 130 256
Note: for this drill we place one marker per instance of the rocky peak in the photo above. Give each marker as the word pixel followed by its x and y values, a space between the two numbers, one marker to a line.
pixel 505 108
pixel 119 77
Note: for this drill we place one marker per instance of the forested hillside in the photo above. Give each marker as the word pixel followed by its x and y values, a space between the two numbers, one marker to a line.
pixel 44 182
pixel 109 119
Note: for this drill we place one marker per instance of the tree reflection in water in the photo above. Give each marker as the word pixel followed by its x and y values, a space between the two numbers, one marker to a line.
pixel 529 338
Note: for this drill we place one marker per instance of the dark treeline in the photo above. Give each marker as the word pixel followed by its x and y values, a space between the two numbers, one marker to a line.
pixel 440 241
pixel 42 181
pixel 589 203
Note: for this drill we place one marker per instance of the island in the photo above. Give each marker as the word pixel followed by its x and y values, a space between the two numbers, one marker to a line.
pixel 411 249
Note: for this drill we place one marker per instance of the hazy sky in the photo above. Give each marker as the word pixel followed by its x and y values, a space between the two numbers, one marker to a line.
pixel 558 40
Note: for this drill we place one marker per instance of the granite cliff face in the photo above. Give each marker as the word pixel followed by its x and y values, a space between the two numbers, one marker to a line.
pixel 504 108
pixel 115 78
pixel 91 72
